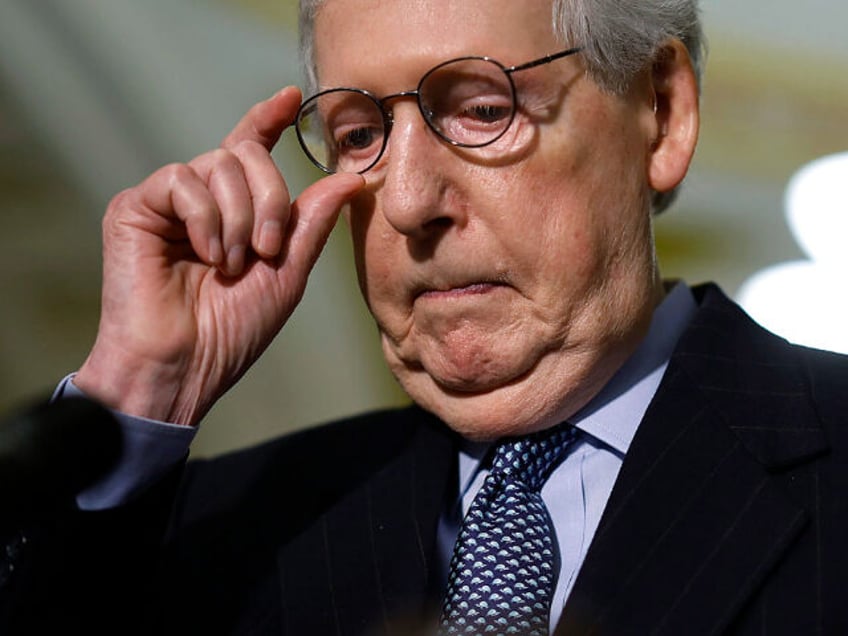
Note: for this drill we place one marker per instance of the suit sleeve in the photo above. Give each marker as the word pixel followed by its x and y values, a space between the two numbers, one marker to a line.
pixel 83 572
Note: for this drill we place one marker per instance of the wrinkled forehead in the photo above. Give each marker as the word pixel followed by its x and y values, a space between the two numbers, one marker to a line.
pixel 365 36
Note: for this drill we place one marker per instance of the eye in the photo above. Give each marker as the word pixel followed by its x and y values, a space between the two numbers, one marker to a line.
pixel 356 138
pixel 487 113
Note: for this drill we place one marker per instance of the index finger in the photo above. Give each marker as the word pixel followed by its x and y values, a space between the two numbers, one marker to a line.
pixel 266 121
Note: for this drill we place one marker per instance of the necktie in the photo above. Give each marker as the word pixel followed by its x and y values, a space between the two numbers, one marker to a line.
pixel 505 564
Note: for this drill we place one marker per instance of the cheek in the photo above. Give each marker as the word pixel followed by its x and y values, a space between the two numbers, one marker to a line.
pixel 600 151
pixel 582 233
pixel 380 256
pixel 554 227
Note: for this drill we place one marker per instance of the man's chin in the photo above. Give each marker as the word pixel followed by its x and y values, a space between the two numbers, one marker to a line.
pixel 476 367
pixel 461 379
pixel 496 410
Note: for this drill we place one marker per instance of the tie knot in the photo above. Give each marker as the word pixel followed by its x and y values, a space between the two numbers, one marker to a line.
pixel 530 459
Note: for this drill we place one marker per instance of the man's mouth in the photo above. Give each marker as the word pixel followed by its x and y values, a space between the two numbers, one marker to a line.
pixel 472 289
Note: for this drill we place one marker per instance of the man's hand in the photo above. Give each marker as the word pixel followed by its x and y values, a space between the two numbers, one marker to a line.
pixel 203 264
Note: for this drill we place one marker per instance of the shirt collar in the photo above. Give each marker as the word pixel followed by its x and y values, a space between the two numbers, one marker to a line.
pixel 613 415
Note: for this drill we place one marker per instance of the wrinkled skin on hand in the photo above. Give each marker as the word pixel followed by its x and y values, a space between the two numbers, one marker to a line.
pixel 203 264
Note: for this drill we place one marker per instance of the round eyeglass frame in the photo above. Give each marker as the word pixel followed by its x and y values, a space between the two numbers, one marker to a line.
pixel 388 119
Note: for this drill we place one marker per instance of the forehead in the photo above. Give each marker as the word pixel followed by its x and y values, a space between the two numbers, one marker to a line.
pixel 358 40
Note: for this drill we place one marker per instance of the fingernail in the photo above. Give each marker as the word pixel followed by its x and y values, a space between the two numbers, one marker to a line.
pixel 270 238
pixel 235 259
pixel 216 251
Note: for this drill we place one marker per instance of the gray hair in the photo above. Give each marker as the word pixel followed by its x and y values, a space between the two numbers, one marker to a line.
pixel 620 38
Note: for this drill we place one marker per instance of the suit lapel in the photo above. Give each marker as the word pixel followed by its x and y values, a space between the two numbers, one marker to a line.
pixel 696 520
pixel 377 545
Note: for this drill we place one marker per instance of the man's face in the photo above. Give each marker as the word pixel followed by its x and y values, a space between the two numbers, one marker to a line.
pixel 508 282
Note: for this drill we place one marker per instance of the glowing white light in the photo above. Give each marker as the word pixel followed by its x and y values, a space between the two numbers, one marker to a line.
pixel 807 301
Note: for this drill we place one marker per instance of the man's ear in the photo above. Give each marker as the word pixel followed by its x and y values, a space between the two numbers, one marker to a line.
pixel 677 116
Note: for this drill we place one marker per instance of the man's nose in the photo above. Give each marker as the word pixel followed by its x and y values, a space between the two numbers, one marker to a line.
pixel 415 195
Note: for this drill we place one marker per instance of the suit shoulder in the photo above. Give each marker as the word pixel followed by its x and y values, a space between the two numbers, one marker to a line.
pixel 319 463
pixel 386 426
pixel 828 374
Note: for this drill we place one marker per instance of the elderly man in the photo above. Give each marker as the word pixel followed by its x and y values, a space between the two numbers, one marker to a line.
pixel 498 164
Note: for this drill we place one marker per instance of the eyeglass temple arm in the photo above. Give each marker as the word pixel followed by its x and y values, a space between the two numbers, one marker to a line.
pixel 544 60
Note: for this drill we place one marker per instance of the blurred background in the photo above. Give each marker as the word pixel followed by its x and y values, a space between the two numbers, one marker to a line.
pixel 95 94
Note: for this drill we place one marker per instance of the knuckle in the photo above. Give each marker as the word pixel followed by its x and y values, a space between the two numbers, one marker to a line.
pixel 251 152
pixel 119 201
pixel 200 210
pixel 116 209
pixel 251 147
pixel 272 199
pixel 223 158
pixel 177 173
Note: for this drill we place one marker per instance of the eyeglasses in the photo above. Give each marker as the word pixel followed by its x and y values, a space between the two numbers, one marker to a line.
pixel 468 102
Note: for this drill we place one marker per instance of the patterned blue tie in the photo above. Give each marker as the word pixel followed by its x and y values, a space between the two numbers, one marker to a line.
pixel 504 565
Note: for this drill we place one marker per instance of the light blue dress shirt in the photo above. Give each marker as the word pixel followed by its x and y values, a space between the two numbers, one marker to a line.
pixel 576 493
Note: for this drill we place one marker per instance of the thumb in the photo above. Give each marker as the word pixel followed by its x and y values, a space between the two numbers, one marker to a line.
pixel 313 216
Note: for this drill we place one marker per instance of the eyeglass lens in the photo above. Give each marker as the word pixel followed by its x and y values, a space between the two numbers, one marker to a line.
pixel 467 102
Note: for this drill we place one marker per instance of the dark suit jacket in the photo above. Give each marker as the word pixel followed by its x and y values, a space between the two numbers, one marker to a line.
pixel 729 515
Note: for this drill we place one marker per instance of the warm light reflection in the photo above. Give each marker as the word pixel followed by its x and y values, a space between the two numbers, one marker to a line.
pixel 806 301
